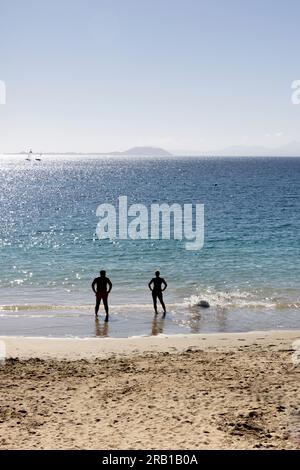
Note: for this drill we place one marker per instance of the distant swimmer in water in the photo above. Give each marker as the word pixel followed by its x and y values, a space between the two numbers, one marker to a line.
pixel 155 285
pixel 99 286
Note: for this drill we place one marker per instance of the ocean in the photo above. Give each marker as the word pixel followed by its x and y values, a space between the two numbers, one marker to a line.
pixel 248 269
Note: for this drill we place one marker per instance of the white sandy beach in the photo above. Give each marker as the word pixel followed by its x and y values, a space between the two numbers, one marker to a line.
pixel 223 391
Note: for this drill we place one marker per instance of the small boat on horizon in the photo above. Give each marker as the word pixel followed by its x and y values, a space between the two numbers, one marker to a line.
pixel 29 157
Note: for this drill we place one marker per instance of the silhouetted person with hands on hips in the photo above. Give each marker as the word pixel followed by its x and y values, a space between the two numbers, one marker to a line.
pixel 155 285
pixel 101 287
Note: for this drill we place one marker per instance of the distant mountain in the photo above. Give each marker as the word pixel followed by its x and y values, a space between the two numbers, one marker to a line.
pixel 243 151
pixel 141 151
pixel 291 149
pixel 146 151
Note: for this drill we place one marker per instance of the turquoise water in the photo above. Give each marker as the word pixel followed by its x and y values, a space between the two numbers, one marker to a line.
pixel 248 269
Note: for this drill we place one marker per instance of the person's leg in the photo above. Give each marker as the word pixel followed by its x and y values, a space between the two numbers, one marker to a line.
pixel 160 296
pixel 105 303
pixel 154 297
pixel 97 306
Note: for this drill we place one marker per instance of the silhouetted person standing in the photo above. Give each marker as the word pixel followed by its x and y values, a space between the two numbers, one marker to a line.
pixel 99 286
pixel 157 290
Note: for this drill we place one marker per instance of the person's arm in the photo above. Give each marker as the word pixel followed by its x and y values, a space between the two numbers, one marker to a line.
pixel 149 285
pixel 165 284
pixel 110 285
pixel 93 286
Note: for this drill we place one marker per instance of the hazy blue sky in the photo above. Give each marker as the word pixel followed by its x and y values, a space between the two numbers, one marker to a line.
pixel 181 74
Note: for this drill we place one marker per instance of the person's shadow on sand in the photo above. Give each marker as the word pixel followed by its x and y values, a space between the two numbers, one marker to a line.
pixel 101 329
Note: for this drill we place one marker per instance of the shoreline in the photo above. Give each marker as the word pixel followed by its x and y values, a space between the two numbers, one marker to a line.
pixel 93 348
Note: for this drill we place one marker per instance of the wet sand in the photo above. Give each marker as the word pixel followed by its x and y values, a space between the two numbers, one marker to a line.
pixel 224 391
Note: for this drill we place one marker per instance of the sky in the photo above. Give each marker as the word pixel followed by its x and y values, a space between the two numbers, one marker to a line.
pixel 103 75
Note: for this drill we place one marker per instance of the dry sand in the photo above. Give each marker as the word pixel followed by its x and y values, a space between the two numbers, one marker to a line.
pixel 224 391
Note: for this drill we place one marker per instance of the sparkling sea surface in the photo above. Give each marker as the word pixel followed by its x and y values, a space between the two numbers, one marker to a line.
pixel 248 269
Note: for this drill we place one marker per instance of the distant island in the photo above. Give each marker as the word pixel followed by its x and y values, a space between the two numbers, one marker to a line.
pixel 144 151
pixel 141 151
pixel 291 149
